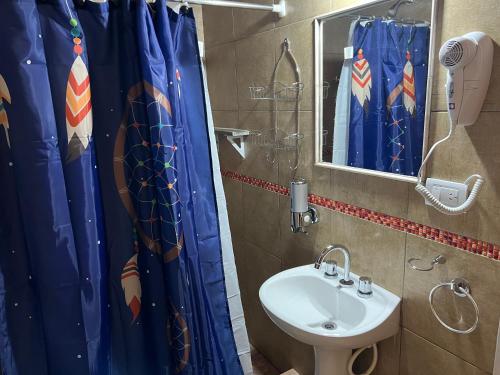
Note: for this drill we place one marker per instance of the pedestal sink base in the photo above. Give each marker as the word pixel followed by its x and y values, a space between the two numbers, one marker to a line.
pixel 331 362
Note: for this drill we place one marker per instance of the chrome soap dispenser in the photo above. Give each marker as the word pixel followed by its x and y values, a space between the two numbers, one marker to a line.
pixel 301 214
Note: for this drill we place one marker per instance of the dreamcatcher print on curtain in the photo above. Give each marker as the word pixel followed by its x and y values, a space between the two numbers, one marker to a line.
pixel 110 246
pixel 387 112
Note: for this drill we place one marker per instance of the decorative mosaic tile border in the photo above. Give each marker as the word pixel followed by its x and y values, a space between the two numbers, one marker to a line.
pixel 458 241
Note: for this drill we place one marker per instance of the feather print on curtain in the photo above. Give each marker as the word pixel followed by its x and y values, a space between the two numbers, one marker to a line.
pixel 361 80
pixel 113 282
pixel 132 286
pixel 409 98
pixel 78 104
pixel 131 281
pixel 4 95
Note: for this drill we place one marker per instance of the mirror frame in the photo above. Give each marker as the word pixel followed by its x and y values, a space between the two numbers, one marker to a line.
pixel 318 90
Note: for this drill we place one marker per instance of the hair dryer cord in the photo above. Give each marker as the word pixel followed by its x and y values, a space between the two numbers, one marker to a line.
pixel 423 191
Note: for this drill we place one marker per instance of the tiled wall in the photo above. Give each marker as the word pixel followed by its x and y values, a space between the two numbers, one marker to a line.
pixel 241 49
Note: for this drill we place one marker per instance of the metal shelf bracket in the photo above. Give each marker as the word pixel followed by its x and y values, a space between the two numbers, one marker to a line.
pixel 236 137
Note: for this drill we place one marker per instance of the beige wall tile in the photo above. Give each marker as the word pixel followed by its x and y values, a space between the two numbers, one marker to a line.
pixel 484 159
pixel 250 22
pixel 420 357
pixel 475 150
pixel 240 250
pixel 221 74
pixel 255 268
pixel 389 352
pixel 340 4
pixel 255 63
pixel 217 25
pixel 261 219
pixel 258 266
pixel 225 119
pixel 376 251
pixel 483 273
pixel 375 193
pixel 234 198
pixel 321 182
pixel 470 150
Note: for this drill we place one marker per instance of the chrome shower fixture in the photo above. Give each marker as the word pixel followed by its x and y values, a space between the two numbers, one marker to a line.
pixel 393 11
pixel 301 214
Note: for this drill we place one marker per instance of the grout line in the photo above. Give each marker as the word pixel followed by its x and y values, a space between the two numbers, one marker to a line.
pixel 471 245
pixel 234 27
pixel 218 44
pixel 431 342
pixel 236 75
pixel 402 312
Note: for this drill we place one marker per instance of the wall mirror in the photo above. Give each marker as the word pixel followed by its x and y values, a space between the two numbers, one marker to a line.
pixel 373 78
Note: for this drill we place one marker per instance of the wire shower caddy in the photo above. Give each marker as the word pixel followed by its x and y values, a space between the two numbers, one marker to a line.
pixel 277 91
pixel 277 140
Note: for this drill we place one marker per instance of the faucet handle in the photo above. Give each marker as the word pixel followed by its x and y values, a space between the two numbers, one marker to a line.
pixel 365 287
pixel 330 268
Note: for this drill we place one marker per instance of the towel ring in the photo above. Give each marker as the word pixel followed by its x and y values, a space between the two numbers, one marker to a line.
pixel 436 260
pixel 461 288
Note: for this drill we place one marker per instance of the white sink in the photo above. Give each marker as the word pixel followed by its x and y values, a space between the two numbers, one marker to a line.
pixel 301 301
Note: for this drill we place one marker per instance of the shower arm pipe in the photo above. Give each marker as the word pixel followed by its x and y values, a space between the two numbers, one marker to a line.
pixel 279 8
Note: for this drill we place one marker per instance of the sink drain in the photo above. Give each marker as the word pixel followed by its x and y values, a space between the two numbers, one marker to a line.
pixel 329 326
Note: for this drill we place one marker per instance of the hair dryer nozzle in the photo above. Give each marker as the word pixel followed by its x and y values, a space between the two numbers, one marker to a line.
pixel 457 52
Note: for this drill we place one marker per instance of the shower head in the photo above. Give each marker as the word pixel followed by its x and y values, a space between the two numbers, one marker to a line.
pixel 393 11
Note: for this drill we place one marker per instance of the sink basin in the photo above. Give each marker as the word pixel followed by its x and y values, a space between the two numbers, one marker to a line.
pixel 334 319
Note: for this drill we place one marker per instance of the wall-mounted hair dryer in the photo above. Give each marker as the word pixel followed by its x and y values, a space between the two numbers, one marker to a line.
pixel 469 60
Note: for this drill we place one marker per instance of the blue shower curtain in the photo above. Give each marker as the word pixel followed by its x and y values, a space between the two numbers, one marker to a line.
pixel 388 96
pixel 110 251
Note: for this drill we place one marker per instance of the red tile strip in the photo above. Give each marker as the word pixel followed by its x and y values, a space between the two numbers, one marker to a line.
pixel 458 241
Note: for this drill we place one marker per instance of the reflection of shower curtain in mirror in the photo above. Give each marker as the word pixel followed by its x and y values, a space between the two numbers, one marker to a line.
pixel 389 81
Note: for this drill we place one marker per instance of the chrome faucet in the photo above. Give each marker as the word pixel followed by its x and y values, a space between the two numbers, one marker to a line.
pixel 346 281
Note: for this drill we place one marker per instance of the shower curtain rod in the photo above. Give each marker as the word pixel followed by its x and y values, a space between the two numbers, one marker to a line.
pixel 279 8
